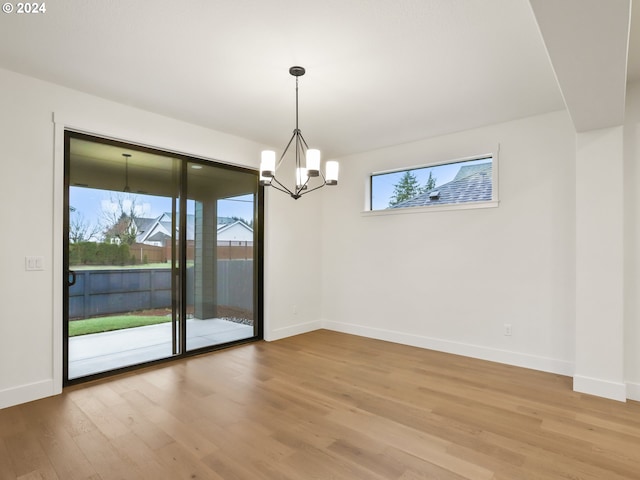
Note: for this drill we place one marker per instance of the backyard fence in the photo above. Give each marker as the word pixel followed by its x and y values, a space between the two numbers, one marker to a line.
pixel 227 249
pixel 107 292
pixel 92 253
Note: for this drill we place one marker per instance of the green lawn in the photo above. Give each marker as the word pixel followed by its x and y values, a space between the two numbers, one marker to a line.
pixel 141 266
pixel 116 322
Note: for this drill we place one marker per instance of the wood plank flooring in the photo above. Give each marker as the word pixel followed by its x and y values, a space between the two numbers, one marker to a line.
pixel 323 405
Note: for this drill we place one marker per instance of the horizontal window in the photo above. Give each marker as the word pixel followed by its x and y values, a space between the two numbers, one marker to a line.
pixel 469 181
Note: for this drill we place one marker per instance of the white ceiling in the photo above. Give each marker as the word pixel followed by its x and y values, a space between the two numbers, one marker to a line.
pixel 379 72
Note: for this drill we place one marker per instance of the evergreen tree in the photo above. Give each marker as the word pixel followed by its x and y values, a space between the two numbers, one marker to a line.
pixel 406 188
pixel 431 183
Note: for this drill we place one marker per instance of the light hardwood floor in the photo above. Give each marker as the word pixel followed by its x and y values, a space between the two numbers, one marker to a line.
pixel 323 405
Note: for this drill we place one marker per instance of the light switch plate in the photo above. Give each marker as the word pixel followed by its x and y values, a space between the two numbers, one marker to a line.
pixel 33 263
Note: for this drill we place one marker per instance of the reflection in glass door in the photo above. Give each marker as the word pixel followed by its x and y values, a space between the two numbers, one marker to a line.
pixel 220 264
pixel 159 254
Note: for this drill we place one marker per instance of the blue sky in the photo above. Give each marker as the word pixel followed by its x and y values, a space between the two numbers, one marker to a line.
pixel 382 185
pixel 90 203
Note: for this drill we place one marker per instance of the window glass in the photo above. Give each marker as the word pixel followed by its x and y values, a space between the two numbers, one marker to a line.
pixel 452 183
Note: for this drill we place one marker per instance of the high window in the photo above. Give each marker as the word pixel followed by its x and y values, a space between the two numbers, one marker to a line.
pixel 467 183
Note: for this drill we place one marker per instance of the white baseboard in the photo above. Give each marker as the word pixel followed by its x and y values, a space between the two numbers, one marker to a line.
pixel 633 391
pixel 468 350
pixel 292 330
pixel 600 388
pixel 27 393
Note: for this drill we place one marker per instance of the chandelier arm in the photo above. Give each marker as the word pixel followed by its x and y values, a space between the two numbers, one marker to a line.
pixel 297 148
pixel 314 188
pixel 324 183
pixel 304 142
pixel 301 146
pixel 284 190
pixel 281 187
pixel 302 187
pixel 286 149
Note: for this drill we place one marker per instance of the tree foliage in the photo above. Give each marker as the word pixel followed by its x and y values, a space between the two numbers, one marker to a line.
pixel 119 220
pixel 409 187
pixel 80 229
pixel 431 183
pixel 406 188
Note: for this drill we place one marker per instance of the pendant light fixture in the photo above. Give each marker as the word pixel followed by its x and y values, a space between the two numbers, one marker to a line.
pixel 126 172
pixel 303 174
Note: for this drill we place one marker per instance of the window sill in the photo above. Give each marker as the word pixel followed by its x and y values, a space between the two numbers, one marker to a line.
pixel 438 208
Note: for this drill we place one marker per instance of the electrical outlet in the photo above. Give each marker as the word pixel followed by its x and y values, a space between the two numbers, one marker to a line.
pixel 507 329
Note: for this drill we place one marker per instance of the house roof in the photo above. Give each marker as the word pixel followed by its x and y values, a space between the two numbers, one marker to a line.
pixel 145 224
pixel 158 228
pixel 467 170
pixel 227 226
pixel 472 183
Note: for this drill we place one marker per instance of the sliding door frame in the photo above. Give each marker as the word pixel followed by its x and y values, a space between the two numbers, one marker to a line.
pixel 179 305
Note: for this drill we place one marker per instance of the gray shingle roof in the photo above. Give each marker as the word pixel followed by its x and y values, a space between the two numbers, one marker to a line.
pixel 144 224
pixel 468 170
pixel 472 183
pixel 159 228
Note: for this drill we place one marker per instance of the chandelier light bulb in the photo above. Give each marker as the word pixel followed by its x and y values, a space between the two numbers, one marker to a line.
pixel 265 181
pixel 332 169
pixel 301 178
pixel 313 162
pixel 268 163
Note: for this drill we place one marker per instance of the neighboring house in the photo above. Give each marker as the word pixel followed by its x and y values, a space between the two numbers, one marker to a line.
pixel 472 183
pixel 234 231
pixel 123 231
pixel 156 231
pixel 153 231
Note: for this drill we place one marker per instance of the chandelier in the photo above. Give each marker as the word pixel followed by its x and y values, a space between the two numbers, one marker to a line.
pixel 303 174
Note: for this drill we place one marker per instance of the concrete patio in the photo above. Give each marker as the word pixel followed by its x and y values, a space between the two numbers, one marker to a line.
pixel 101 352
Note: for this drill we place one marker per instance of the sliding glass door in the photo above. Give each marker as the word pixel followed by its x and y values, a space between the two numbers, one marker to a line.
pixel 220 262
pixel 161 253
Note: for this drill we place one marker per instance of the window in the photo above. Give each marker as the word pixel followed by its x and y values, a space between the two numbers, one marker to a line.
pixel 468 183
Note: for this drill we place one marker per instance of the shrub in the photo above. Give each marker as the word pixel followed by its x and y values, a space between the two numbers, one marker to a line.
pixel 91 253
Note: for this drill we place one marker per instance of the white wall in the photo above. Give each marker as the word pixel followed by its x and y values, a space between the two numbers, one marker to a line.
pixel 292 266
pixel 599 362
pixel 632 242
pixel 31 213
pixel 450 280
